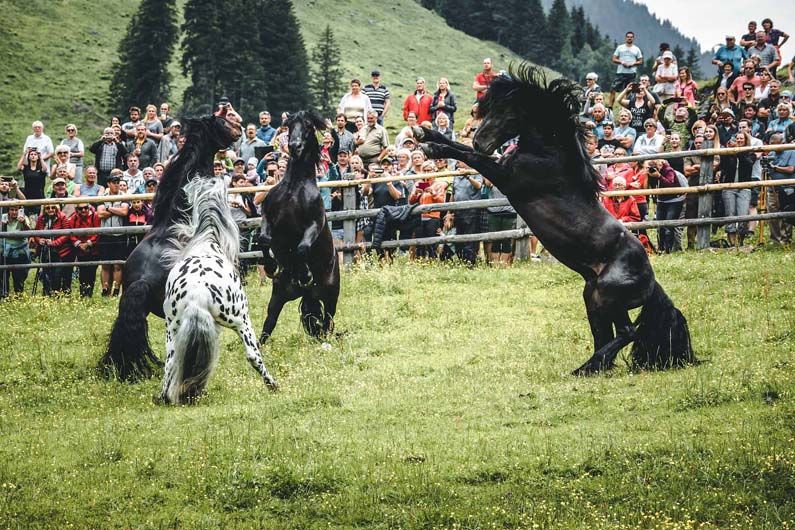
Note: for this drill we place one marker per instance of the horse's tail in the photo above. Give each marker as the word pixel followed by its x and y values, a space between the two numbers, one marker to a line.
pixel 195 355
pixel 128 355
pixel 662 338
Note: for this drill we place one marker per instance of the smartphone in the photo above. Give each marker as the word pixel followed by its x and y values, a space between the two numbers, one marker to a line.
pixel 423 185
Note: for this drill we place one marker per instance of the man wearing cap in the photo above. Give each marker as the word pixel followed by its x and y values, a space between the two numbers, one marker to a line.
pixel 110 154
pixel 168 143
pixel 419 103
pixel 249 142
pixel 379 95
pixel 666 76
pixel 729 53
pixel 726 126
pixel 338 171
pixel 112 214
pixel 85 247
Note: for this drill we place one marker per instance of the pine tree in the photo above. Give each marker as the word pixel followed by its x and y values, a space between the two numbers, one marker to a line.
pixel 557 33
pixel 693 62
pixel 327 84
pixel 140 76
pixel 533 31
pixel 203 35
pixel 284 55
pixel 679 53
pixel 578 28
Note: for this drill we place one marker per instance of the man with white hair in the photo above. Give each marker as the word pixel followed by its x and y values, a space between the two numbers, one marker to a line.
pixel 41 142
pixel 110 154
pixel 591 87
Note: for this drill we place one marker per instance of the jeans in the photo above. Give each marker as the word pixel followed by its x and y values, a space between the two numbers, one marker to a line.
pixel 87 275
pixel 667 211
pixel 736 202
pixel 18 276
pixel 467 222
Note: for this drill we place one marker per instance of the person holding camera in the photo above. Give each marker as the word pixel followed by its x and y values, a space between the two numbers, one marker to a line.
pixel 110 154
pixel 640 104
pixel 669 207
pixel 13 251
pixel 41 142
pixel 9 190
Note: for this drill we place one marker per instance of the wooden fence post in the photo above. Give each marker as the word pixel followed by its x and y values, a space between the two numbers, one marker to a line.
pixel 522 248
pixel 349 225
pixel 703 232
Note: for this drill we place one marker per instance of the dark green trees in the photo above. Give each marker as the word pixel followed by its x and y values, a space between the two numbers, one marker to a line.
pixel 327 84
pixel 140 76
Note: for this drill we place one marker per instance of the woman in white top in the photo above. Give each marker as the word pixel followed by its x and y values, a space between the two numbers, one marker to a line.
pixel 649 143
pixel 354 104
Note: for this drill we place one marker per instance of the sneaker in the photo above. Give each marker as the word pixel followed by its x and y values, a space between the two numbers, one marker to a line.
pixel 535 257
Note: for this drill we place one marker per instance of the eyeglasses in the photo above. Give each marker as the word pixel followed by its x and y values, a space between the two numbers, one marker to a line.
pixel 47 208
pixel 60 184
pixel 650 126
pixel 70 130
pixel 81 208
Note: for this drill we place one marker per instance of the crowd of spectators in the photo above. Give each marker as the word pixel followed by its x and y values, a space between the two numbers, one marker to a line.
pixel 745 105
pixel 643 114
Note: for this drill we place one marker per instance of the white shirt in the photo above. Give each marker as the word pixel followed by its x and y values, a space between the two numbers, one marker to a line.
pixel 627 54
pixel 42 143
pixel 646 146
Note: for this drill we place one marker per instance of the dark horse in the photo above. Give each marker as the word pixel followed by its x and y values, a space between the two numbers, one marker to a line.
pixel 295 239
pixel 551 183
pixel 129 355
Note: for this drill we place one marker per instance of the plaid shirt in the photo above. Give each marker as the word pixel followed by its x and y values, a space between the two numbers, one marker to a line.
pixel 108 159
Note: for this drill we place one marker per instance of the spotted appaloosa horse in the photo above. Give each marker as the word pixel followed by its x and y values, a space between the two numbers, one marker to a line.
pixel 203 292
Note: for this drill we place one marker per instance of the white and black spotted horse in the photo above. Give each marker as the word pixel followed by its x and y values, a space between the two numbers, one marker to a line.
pixel 203 292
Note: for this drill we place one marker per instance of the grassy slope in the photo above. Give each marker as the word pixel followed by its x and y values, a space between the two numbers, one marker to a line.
pixel 57 57
pixel 446 404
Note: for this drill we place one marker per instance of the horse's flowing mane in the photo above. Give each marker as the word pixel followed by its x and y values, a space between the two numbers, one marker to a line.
pixel 195 157
pixel 210 221
pixel 547 112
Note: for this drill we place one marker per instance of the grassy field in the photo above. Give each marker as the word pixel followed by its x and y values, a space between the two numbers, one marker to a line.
pixel 57 58
pixel 445 403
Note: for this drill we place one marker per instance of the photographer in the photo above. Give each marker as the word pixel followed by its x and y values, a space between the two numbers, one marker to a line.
pixel 110 154
pixel 669 207
pixel 640 104
pixel 9 189
pixel 13 251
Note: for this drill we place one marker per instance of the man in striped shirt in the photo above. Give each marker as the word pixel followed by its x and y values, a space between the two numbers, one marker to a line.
pixel 379 96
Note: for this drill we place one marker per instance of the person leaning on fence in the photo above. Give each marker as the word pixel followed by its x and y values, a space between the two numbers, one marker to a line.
pixel 54 249
pixel 500 218
pixel 668 206
pixel 428 191
pixel 781 198
pixel 13 251
pixel 85 247
pixel 736 168
pixel 112 214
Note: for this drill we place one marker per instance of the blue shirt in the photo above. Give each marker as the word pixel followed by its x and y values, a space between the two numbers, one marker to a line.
pixel 266 134
pixel 783 159
pixel 735 56
pixel 779 125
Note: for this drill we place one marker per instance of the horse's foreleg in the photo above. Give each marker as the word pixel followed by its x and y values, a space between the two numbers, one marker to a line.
pixel 169 372
pixel 246 332
pixel 485 165
pixel 304 276
pixel 269 263
pixel 423 134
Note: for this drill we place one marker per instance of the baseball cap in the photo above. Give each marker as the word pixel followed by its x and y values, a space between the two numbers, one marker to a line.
pixel 175 123
pixel 112 178
pixel 727 110
pixel 409 139
pixel 786 93
pixel 387 160
pixel 729 37
pixel 239 161
pixel 667 55
pixel 59 180
pixel 375 73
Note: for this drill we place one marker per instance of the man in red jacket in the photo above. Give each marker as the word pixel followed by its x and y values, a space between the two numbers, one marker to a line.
pixel 419 103
pixel 84 247
pixel 625 209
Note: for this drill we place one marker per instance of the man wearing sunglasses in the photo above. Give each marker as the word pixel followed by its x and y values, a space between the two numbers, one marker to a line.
pixel 54 249
pixel 84 247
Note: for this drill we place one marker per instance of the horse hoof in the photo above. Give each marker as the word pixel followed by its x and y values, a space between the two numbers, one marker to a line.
pixel 272 385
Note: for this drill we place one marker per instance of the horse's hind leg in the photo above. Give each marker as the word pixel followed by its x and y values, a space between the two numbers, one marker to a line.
pixel 246 333
pixel 275 306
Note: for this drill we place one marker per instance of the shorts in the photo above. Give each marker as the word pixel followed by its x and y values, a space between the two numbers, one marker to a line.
pixel 621 81
pixel 338 234
pixel 113 247
pixel 499 223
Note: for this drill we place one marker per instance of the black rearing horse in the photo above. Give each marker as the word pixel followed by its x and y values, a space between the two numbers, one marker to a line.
pixel 129 355
pixel 551 183
pixel 295 238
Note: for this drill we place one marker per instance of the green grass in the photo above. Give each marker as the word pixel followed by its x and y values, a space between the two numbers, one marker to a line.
pixel 57 57
pixel 446 403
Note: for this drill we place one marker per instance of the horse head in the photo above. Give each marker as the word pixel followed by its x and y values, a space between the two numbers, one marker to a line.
pixel 303 141
pixel 215 132
pixel 522 103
